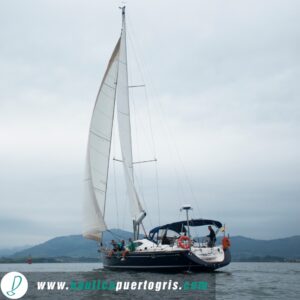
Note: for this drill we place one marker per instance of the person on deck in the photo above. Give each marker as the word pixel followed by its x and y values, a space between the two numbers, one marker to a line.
pixel 114 249
pixel 121 246
pixel 165 240
pixel 211 236
pixel 130 248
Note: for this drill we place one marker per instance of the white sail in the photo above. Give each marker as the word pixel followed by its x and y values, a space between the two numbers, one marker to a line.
pixel 125 128
pixel 98 151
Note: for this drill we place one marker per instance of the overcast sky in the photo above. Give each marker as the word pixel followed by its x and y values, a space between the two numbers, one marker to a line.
pixel 222 79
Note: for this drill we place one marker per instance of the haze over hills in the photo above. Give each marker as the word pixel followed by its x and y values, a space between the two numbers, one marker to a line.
pixel 243 249
pixel 10 251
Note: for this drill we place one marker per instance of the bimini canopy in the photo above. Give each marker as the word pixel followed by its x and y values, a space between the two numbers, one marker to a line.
pixel 180 226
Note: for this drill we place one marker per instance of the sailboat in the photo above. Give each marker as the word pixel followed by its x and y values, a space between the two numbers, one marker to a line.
pixel 169 246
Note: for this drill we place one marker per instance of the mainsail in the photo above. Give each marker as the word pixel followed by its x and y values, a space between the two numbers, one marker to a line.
pixel 137 212
pixel 114 86
pixel 98 151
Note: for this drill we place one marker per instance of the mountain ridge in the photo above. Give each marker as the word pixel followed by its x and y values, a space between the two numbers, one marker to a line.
pixel 243 248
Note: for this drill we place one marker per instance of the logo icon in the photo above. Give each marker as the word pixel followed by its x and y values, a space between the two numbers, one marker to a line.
pixel 14 285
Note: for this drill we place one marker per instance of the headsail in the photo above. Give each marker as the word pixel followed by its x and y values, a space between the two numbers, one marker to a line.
pixel 98 151
pixel 123 109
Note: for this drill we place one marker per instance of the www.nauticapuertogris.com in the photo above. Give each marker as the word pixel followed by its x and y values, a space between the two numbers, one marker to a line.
pixel 106 285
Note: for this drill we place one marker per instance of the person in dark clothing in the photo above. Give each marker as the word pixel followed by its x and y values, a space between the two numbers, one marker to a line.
pixel 165 240
pixel 211 236
pixel 115 245
pixel 121 246
pixel 114 249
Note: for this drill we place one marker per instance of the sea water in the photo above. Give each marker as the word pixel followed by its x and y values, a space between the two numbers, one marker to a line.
pixel 91 281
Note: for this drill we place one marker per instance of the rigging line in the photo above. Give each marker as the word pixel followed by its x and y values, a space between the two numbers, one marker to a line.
pixel 119 160
pixel 139 182
pixel 144 161
pixel 115 175
pixel 137 146
pixel 176 148
pixel 115 234
pixel 145 91
pixel 180 159
pixel 138 179
pixel 136 162
pixel 160 105
pixel 181 165
pixel 150 122
pixel 134 123
pixel 116 194
pixel 154 152
pixel 157 193
pixel 144 229
pixel 180 189
pixel 151 129
pixel 142 123
pixel 186 177
pixel 136 86
pixel 179 213
pixel 179 185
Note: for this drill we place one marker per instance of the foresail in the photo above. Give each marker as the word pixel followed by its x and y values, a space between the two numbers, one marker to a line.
pixel 98 151
pixel 125 128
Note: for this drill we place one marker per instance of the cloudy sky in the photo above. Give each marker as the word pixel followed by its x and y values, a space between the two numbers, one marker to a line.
pixel 222 79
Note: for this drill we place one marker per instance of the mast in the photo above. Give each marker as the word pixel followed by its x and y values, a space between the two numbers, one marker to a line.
pixel 123 108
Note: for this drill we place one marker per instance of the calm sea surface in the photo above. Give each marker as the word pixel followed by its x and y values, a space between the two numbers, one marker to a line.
pixel 236 281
